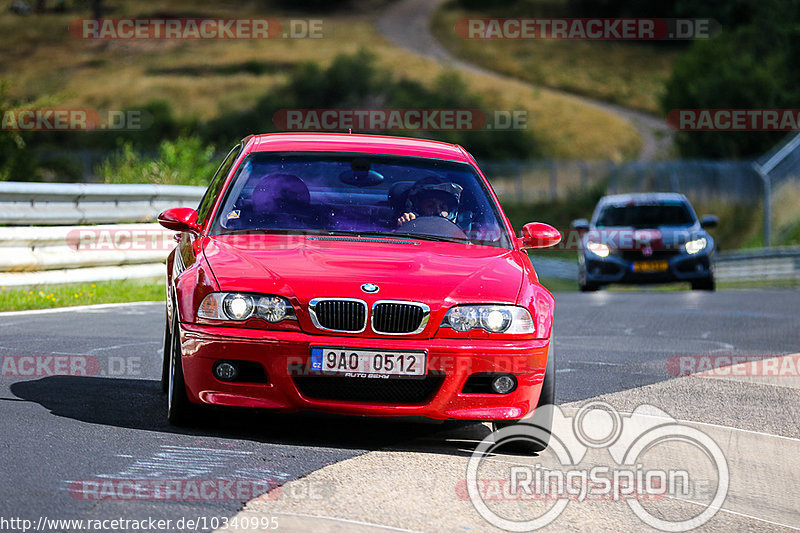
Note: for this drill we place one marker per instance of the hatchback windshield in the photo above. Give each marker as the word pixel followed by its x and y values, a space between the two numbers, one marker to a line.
pixel 645 215
pixel 360 194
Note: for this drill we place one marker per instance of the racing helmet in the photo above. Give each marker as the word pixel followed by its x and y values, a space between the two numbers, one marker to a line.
pixel 438 187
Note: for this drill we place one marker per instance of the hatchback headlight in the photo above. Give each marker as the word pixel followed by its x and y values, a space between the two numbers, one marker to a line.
pixel 692 247
pixel 241 306
pixel 492 318
pixel 598 248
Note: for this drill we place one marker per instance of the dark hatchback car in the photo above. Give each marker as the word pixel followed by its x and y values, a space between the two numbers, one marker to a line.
pixel 645 238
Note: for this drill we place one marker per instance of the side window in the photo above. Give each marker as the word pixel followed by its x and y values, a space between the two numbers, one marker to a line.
pixel 216 184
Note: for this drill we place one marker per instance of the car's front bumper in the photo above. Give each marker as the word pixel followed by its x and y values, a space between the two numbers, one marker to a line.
pixel 285 357
pixel 617 269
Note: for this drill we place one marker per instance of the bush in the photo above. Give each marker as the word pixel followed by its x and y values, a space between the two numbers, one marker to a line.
pixel 185 161
pixel 750 67
pixel 356 82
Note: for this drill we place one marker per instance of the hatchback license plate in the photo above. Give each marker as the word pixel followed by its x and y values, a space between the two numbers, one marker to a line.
pixel 370 362
pixel 649 266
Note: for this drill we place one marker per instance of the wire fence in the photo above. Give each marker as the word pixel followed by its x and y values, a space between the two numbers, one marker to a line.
pixel 524 182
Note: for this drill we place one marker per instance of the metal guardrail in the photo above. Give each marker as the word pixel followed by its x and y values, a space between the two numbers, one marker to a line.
pixel 26 204
pixel 763 264
pixel 42 254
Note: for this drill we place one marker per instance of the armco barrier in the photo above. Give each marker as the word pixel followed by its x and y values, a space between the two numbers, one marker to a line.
pixel 764 264
pixel 25 204
pixel 39 253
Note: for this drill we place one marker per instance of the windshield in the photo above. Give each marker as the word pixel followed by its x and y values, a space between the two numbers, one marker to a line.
pixel 645 215
pixel 360 194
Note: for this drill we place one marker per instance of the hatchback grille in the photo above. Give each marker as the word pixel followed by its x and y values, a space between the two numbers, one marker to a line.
pixel 399 317
pixel 339 315
pixel 370 390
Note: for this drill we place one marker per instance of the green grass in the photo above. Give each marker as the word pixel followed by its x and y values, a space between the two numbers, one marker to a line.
pixel 50 296
pixel 559 285
pixel 625 73
pixel 202 80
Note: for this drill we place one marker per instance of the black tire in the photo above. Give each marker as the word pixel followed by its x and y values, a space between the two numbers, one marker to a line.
pixel 588 287
pixel 180 411
pixel 542 418
pixel 165 354
pixel 705 284
pixel 584 285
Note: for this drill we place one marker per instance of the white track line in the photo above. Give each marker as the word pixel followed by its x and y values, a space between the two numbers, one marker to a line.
pixel 74 308
pixel 346 520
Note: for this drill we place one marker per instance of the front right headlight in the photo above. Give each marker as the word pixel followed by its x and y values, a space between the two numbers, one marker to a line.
pixel 240 306
pixel 598 248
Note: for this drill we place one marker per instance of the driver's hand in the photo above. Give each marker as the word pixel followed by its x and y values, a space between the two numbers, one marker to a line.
pixel 407 217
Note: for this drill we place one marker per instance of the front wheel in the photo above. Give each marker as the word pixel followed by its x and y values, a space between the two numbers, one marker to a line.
pixel 541 423
pixel 180 411
pixel 705 284
pixel 165 355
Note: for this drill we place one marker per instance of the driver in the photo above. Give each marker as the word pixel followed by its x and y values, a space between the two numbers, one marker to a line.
pixel 432 196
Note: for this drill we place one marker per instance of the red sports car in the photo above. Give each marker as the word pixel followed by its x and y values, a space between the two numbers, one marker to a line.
pixel 355 274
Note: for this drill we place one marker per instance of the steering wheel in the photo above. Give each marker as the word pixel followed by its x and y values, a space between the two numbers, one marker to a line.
pixel 433 225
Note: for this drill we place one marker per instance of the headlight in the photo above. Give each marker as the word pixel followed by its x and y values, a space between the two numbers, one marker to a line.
pixel 597 248
pixel 492 318
pixel 242 306
pixel 692 247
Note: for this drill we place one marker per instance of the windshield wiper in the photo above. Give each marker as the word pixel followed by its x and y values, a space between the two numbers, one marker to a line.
pixel 394 235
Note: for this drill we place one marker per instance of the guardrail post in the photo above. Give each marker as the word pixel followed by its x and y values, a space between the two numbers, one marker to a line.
pixel 767 204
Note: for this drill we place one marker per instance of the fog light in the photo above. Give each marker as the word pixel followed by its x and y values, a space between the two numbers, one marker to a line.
pixel 504 384
pixel 225 371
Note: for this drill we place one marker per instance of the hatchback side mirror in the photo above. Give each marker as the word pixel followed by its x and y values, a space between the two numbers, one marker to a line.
pixel 709 221
pixel 580 224
pixel 180 219
pixel 539 235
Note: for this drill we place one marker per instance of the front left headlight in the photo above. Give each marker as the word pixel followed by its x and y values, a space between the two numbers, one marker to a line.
pixel 492 318
pixel 240 306
pixel 697 245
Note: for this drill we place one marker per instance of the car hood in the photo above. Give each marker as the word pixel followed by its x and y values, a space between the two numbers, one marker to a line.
pixel 306 267
pixel 630 238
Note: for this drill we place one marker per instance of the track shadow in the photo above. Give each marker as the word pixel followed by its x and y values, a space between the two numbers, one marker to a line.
pixel 139 404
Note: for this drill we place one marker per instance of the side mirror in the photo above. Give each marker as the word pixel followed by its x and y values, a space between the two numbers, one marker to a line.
pixel 180 219
pixel 709 221
pixel 580 224
pixel 538 235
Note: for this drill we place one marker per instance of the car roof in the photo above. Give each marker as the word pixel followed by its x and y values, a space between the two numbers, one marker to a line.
pixel 359 143
pixel 642 198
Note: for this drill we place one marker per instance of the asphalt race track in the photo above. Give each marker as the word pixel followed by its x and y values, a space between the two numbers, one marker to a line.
pixel 67 438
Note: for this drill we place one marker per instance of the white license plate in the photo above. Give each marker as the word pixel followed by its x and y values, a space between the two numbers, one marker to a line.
pixel 367 362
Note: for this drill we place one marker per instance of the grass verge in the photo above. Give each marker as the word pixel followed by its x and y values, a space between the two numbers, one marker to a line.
pixel 101 292
pixel 201 80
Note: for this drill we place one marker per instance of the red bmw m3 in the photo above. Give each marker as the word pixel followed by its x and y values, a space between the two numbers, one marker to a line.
pixel 355 274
